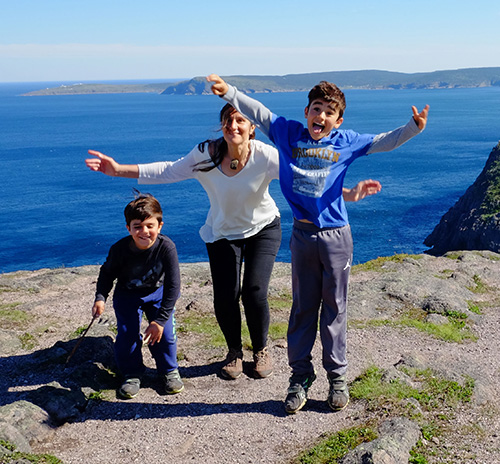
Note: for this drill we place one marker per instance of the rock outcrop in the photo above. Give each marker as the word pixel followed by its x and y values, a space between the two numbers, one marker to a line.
pixel 473 223
pixel 69 409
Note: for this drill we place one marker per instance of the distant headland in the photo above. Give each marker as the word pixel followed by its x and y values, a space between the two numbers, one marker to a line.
pixel 367 79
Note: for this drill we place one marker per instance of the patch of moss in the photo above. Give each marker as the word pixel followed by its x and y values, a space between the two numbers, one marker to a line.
pixel 456 330
pixel 28 341
pixel 11 317
pixel 278 330
pixel 479 286
pixel 491 202
pixel 17 456
pixel 281 302
pixel 437 396
pixel 377 264
pixel 334 447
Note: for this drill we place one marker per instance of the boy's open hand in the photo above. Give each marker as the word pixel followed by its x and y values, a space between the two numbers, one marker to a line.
pixel 153 333
pixel 219 87
pixel 420 118
pixel 102 163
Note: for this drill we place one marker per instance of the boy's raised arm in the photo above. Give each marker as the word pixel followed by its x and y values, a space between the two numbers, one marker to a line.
pixel 388 141
pixel 219 86
pixel 252 109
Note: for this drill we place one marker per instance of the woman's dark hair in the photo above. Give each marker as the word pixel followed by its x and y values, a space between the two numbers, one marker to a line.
pixel 217 149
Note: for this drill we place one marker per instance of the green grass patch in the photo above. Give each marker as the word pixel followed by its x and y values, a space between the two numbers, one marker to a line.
pixel 416 457
pixel 378 263
pixel 444 274
pixel 437 396
pixel 336 446
pixel 28 341
pixel 97 396
pixel 5 307
pixel 278 330
pixel 281 302
pixel 206 324
pixel 439 391
pixel 491 202
pixel 11 317
pixel 479 306
pixel 369 386
pixel 456 330
pixel 479 286
pixel 17 456
pixel 102 395
pixel 434 392
pixel 78 332
pixel 475 307
pixel 5 289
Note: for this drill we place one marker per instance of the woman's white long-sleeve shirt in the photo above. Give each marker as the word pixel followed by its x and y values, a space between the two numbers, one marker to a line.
pixel 240 206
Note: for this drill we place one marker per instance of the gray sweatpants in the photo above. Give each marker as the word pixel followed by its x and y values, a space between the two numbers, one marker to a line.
pixel 321 263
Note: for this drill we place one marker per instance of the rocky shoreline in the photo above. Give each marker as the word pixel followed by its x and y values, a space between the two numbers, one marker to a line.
pixel 69 410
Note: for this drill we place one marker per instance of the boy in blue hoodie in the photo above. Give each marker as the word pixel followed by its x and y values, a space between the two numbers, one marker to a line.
pixel 313 165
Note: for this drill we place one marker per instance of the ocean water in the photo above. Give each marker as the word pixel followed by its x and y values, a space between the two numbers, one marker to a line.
pixel 55 212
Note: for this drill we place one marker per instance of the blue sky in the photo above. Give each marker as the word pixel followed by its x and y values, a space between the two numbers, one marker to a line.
pixel 151 39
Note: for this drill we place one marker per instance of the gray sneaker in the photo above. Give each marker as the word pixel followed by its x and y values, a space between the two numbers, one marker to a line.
pixel 338 395
pixel 130 388
pixel 297 392
pixel 173 382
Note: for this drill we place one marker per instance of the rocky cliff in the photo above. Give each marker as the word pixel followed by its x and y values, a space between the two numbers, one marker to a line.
pixel 473 223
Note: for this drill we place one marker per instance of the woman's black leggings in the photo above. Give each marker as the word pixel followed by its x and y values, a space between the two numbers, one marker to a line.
pixel 226 259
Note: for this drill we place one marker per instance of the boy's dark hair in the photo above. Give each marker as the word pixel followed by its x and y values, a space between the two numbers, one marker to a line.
pixel 330 93
pixel 217 149
pixel 143 207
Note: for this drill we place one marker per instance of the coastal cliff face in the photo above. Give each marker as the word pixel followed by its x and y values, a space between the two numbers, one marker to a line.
pixel 473 223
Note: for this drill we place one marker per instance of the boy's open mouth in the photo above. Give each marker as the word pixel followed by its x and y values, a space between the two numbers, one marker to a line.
pixel 317 128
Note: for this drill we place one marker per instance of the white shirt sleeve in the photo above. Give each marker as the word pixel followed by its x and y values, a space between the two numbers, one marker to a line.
pixel 167 172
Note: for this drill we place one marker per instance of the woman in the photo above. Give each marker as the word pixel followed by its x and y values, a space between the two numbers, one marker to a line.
pixel 243 224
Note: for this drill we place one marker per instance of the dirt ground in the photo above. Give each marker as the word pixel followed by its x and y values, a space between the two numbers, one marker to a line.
pixel 241 421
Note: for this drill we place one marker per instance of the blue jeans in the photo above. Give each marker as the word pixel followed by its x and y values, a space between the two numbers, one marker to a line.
pixel 129 309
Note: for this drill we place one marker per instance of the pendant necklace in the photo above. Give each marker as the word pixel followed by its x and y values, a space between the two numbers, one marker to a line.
pixel 234 164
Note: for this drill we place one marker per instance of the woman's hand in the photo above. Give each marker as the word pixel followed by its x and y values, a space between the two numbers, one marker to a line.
pixel 110 167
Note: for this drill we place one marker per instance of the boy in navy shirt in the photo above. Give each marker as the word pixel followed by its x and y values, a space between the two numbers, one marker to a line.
pixel 146 268
pixel 313 163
